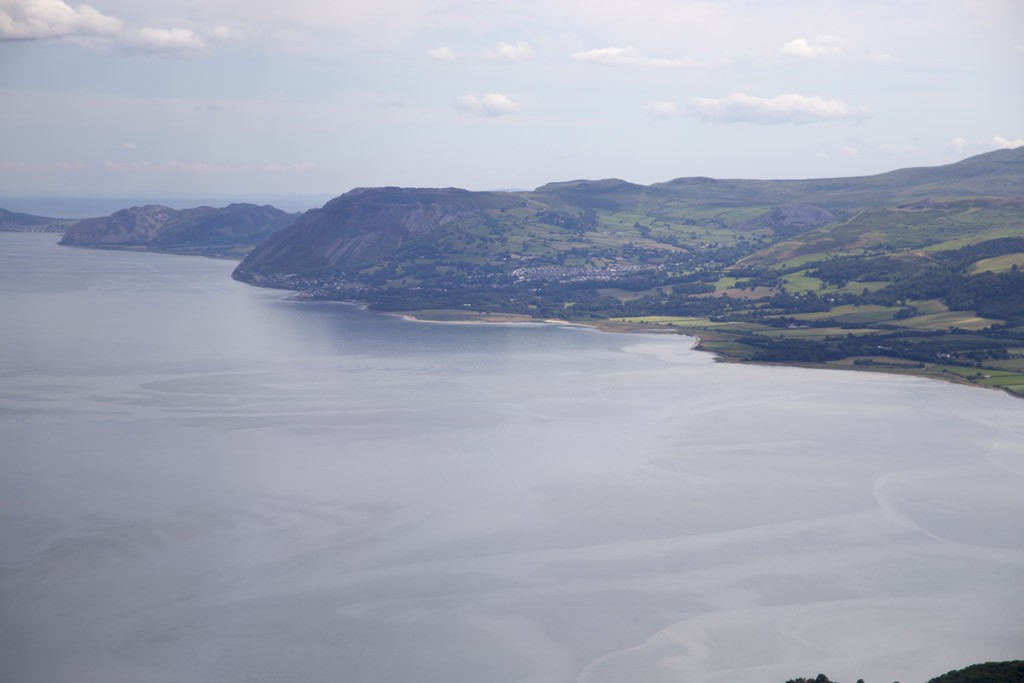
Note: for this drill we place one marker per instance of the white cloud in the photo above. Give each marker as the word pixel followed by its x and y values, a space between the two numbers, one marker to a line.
pixel 130 146
pixel 41 19
pixel 851 151
pixel 442 54
pixel 663 110
pixel 494 104
pixel 628 56
pixel 789 108
pixel 86 26
pixel 1008 144
pixel 735 43
pixel 815 47
pixel 165 42
pixel 958 143
pixel 518 51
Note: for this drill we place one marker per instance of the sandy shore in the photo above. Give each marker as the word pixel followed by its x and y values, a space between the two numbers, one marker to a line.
pixel 474 318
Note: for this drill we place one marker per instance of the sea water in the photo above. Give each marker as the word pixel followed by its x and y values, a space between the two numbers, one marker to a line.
pixel 204 481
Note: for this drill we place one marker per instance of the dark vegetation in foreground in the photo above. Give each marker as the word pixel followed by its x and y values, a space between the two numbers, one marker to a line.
pixel 990 672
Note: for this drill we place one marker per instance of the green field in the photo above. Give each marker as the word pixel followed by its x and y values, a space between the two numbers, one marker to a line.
pixel 669 320
pixel 965 320
pixel 855 287
pixel 926 306
pixel 818 332
pixel 1012 364
pixel 996 379
pixel 786 265
pixel 999 264
pixel 852 314
pixel 693 323
pixel 959 242
pixel 799 281
pixel 724 283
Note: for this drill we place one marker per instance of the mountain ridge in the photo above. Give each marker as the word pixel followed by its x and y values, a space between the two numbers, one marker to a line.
pixel 368 226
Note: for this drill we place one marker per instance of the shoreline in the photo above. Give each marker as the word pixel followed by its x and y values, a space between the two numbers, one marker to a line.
pixel 455 317
pixel 474 318
pixel 463 317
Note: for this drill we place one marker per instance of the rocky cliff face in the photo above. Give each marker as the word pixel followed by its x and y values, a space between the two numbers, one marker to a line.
pixel 793 219
pixel 135 226
pixel 204 230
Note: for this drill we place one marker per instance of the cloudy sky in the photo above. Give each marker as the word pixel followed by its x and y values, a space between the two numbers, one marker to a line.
pixel 314 97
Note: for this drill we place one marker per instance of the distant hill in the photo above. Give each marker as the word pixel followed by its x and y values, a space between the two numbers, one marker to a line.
pixel 25 222
pixel 994 174
pixel 227 231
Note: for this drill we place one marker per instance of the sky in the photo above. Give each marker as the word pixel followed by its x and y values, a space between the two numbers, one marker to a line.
pixel 250 98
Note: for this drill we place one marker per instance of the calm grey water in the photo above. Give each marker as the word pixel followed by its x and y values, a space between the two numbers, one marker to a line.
pixel 201 481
